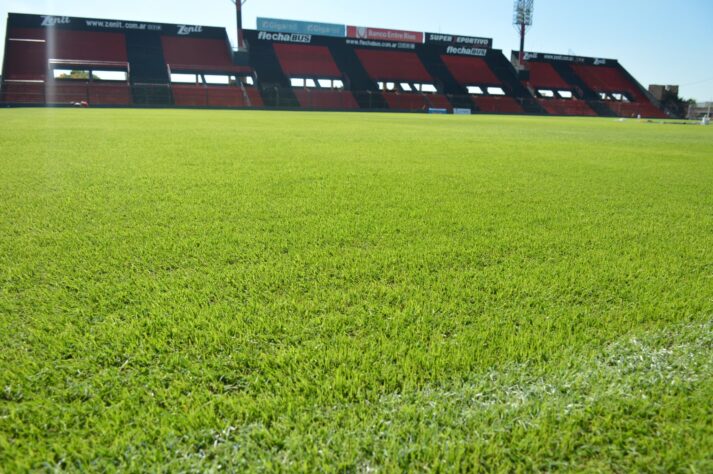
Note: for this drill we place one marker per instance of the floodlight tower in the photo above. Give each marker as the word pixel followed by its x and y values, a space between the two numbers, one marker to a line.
pixel 239 16
pixel 523 14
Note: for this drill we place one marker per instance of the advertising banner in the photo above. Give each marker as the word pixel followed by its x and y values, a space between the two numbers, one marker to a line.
pixel 466 51
pixel 361 43
pixel 465 41
pixel 379 34
pixel 91 24
pixel 529 56
pixel 300 27
pixel 284 37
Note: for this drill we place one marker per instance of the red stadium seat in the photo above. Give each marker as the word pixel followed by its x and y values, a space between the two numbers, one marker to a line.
pixel 470 71
pixel 221 96
pixel 566 107
pixel 607 79
pixel 94 93
pixel 543 75
pixel 406 101
pixel 67 92
pixel 611 79
pixel 26 59
pixel 189 95
pixel 393 65
pixel 30 50
pixel 438 101
pixel 254 97
pixel 498 105
pixel 634 109
pixel 215 96
pixel 199 54
pixel 23 92
pixel 109 94
pixel 325 99
pixel 87 46
pixel 306 61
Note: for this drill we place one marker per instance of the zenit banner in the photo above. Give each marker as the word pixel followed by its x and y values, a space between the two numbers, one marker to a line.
pixel 93 24
pixel 529 56
pixel 300 27
pixel 465 41
pixel 378 34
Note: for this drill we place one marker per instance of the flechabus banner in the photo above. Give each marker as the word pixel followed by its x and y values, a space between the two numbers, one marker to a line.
pixel 379 34
pixel 300 27
pixel 466 51
pixel 284 37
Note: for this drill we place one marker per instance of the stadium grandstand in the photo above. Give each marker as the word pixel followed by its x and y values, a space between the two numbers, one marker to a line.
pixel 59 61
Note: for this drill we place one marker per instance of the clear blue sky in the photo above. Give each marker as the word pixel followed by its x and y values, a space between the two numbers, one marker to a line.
pixel 658 41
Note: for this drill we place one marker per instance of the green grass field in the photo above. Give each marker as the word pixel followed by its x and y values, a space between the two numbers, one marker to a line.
pixel 196 291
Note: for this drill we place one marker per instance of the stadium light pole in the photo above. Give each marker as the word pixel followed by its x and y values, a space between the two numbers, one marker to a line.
pixel 523 14
pixel 239 16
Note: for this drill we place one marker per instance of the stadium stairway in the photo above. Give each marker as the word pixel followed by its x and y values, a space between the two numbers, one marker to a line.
pixel 601 108
pixel 150 84
pixel 587 93
pixel 364 89
pixel 507 74
pixel 573 80
pixel 275 87
pixel 456 94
